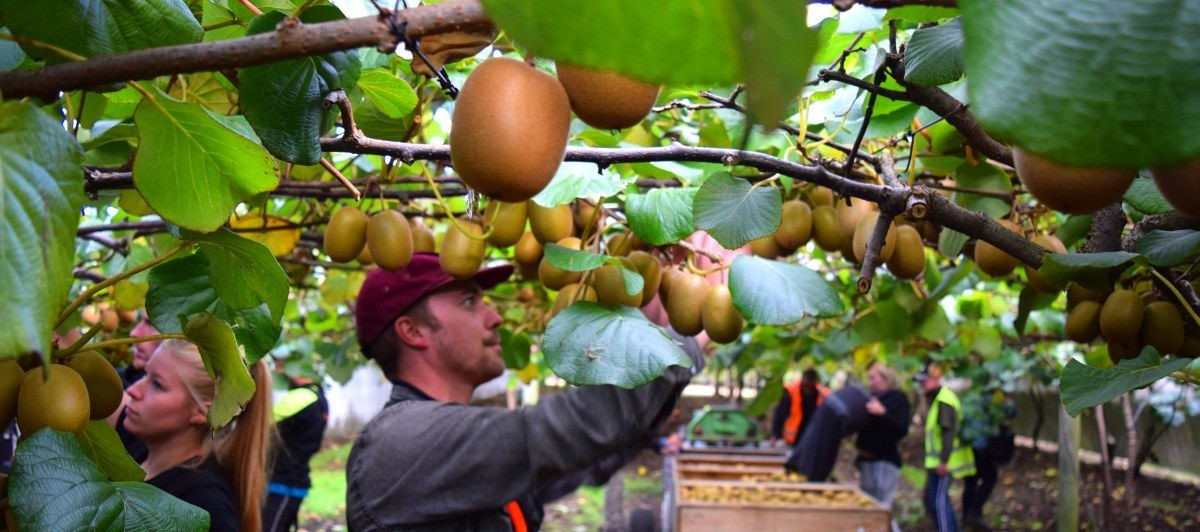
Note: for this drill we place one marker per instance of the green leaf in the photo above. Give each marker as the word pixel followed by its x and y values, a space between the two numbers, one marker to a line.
pixel 983 176
pixel 776 50
pixel 1029 301
pixel 41 193
pixel 91 28
pixel 934 56
pixel 951 242
pixel 284 100
pixel 1086 268
pixel 1084 386
pixel 948 282
pixel 591 344
pixel 1144 196
pixel 1169 248
pixel 632 280
pixel 768 396
pixel 244 272
pixel 734 212
pixel 888 322
pixel 1029 62
pixel 193 166
pixel 219 350
pixel 661 216
pixel 53 486
pixel 1074 228
pixel 10 53
pixel 579 180
pixel 770 292
pixel 573 260
pixel 103 447
pixel 917 14
pixel 515 348
pixel 392 96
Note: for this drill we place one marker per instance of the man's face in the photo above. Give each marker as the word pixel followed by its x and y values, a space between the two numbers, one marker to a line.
pixel 465 338
pixel 933 381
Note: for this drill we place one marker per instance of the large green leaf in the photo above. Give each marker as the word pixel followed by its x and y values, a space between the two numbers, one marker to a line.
pixel 10 53
pixel 580 180
pixel 53 486
pixel 591 344
pixel 982 176
pixel 770 292
pixel 887 322
pixel 103 447
pixel 194 166
pixel 100 27
pixel 1144 196
pixel 1084 386
pixel 776 49
pixel 284 101
pixel 1169 248
pixel 1107 83
pixel 951 242
pixel 661 216
pixel 244 272
pixel 41 192
pixel 573 260
pixel 1073 229
pixel 735 212
pixel 1087 268
pixel 219 350
pixel 515 348
pixel 1029 301
pixel 934 56
pixel 392 96
pixel 180 287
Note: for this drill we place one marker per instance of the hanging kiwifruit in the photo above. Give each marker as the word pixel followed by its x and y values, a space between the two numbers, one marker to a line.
pixel 1121 317
pixel 668 279
pixel 1036 281
pixel 908 258
pixel 1118 351
pixel 509 129
pixel 1180 185
pixel 585 212
pixel 389 239
pixel 461 254
pixel 622 244
pixel 10 385
pixel 862 235
pixel 991 260
pixel 685 301
pixel 345 234
pixel 605 99
pixel 364 256
pixel 721 319
pixel 104 386
pixel 55 397
pixel 765 247
pixel 1077 293
pixel 567 295
pixel 820 196
pixel 848 216
pixel 610 285
pixel 422 237
pixel 1069 189
pixel 528 255
pixel 825 228
pixel 795 226
pixel 1162 327
pixel 550 224
pixel 555 278
pixel 1083 322
pixel 508 222
pixel 652 274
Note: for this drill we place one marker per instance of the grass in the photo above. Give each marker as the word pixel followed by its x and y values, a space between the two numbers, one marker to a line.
pixel 650 484
pixel 327 498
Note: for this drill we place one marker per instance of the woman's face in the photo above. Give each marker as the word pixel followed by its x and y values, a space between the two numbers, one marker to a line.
pixel 877 381
pixel 159 404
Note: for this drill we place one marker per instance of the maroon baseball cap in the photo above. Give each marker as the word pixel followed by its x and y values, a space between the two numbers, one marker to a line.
pixel 387 295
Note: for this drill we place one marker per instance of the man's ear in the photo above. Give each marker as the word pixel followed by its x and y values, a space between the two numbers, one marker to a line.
pixel 410 332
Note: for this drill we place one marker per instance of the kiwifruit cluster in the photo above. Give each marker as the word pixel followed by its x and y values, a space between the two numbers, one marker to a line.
pixel 59 396
pixel 845 226
pixel 1127 323
pixel 107 316
pixel 386 239
pixel 694 305
pixel 1076 190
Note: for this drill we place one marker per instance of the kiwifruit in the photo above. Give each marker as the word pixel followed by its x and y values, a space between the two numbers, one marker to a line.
pixel 1036 281
pixel 908 258
pixel 29 361
pixel 1118 351
pixel 605 99
pixel 1083 322
pixel 862 235
pixel 585 212
pixel 848 216
pixel 461 254
pixel 91 315
pixel 622 244
pixel 820 196
pixel 720 318
pixel 109 320
pixel 610 285
pixel 422 237
pixel 685 301
pixel 664 287
pixel 345 234
pixel 526 294
pixel 127 316
pixel 652 274
pixel 555 278
pixel 1162 327
pixel 509 129
pixel 1180 185
pixel 441 49
pixel 795 225
pixel 1069 189
pixel 528 255
pixel 389 239
pixel 991 260
pixel 1121 317
pixel 10 384
pixel 550 224
pixel 54 397
pixel 765 247
pixel 364 256
pixel 1077 293
pixel 1190 347
pixel 825 228
pixel 104 386
pixel 508 222
pixel 567 294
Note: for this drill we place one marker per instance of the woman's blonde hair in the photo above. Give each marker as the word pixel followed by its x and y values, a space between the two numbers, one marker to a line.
pixel 241 448
pixel 888 374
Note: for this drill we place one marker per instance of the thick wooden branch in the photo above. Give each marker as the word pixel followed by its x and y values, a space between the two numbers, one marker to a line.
pixel 874 245
pixel 289 41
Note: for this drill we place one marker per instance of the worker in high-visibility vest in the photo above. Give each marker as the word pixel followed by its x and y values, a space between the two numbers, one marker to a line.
pixel 795 409
pixel 946 456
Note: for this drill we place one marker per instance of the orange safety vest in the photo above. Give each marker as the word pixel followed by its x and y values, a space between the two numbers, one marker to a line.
pixel 791 427
pixel 517 516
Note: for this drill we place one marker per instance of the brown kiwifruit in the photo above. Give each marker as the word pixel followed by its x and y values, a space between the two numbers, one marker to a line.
pixel 610 285
pixel 11 375
pixel 1036 281
pixel 668 278
pixel 1069 189
pixel 1162 327
pixel 848 216
pixel 389 240
pixel 54 397
pixel 825 228
pixel 422 237
pixel 1180 185
pixel 104 386
pixel 722 321
pixel 652 274
pixel 908 258
pixel 345 234
pixel 509 129
pixel 765 247
pixel 1083 322
pixel 795 225
pixel 862 235
pixel 685 301
pixel 605 99
pixel 461 254
pixel 1077 293
pixel 555 278
pixel 508 222
pixel 1121 317
pixel 622 244
pixel 1118 351
pixel 991 260
pixel 567 294
pixel 528 255
pixel 820 196
pixel 585 212
pixel 550 224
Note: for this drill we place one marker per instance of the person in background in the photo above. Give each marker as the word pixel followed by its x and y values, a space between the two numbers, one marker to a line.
pixel 843 413
pixel 878 442
pixel 300 418
pixel 986 429
pixel 142 351
pixel 946 456
pixel 796 408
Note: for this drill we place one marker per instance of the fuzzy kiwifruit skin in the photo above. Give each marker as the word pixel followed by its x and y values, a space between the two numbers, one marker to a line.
pixel 1077 293
pixel 509 129
pixel 684 303
pixel 1069 189
pixel 1162 327
pixel 54 397
pixel 991 259
pixel 908 257
pixel 722 322
pixel 862 235
pixel 605 99
pixel 422 237
pixel 1083 322
pixel 820 196
pixel 1180 185
pixel 826 231
pixel 765 247
pixel 389 240
pixel 564 297
pixel 848 216
pixel 528 254
pixel 345 234
pixel 1036 281
pixel 104 386
pixel 652 274
pixel 462 255
pixel 1118 351
pixel 610 285
pixel 795 225
pixel 550 224
pixel 1121 317
pixel 508 222
pixel 585 212
pixel 10 385
pixel 669 275
pixel 622 244
pixel 555 278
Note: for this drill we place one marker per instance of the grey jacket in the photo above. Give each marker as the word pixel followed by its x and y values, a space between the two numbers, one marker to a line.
pixel 427 465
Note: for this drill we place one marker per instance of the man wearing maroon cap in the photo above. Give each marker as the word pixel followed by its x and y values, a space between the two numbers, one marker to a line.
pixel 429 461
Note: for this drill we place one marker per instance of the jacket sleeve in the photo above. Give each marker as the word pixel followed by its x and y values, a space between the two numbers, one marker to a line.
pixel 899 413
pixel 782 411
pixel 949 424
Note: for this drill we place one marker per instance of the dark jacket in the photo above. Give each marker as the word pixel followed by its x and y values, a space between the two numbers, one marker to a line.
pixel 205 487
pixel 299 439
pixel 880 438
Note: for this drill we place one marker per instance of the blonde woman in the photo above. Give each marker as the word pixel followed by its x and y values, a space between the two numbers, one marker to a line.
pixel 222 473
pixel 879 441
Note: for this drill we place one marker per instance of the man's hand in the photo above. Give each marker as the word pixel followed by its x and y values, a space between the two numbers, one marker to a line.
pixel 942 469
pixel 875 407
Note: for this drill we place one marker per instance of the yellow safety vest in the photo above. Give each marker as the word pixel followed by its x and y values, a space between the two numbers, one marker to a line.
pixel 962 457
